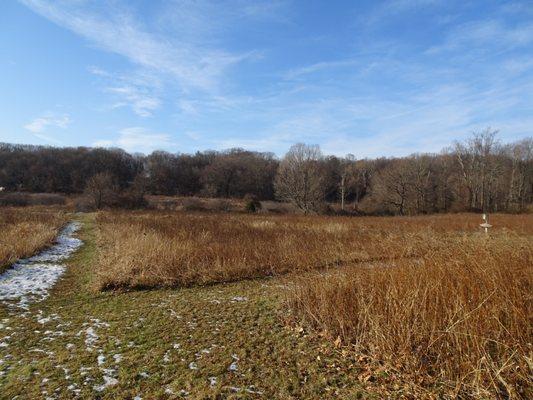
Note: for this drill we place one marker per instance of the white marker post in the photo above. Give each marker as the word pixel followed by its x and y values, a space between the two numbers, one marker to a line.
pixel 485 225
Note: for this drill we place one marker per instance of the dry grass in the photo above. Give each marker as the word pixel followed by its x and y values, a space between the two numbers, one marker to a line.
pixel 151 249
pixel 459 316
pixel 27 230
pixel 441 304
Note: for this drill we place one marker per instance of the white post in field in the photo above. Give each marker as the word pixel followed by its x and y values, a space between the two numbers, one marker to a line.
pixel 485 225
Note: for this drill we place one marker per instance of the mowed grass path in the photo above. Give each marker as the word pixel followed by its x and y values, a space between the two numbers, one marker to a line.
pixel 213 342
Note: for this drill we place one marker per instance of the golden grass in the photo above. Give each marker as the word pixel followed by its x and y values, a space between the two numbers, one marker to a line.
pixel 149 249
pixel 459 316
pixel 26 230
pixel 152 249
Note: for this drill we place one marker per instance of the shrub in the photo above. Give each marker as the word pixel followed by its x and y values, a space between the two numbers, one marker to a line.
pixel 15 199
pixel 102 191
pixel 193 204
pixel 131 200
pixel 22 199
pixel 252 203
pixel 47 199
pixel 220 205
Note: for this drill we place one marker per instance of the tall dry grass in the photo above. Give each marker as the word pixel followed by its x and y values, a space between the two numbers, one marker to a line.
pixel 148 249
pixel 26 230
pixel 432 296
pixel 461 315
pixel 151 248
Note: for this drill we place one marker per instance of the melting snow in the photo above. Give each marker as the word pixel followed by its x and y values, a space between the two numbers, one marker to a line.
pixel 233 366
pixel 108 381
pixel 30 279
pixel 238 299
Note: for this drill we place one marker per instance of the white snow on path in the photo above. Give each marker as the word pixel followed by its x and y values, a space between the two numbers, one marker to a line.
pixel 30 279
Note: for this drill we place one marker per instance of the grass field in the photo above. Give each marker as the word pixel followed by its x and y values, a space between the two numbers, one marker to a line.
pixel 162 249
pixel 283 307
pixel 27 230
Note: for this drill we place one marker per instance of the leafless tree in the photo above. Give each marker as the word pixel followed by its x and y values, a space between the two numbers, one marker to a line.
pixel 521 179
pixel 478 167
pixel 476 174
pixel 101 190
pixel 347 176
pixel 300 178
pixel 392 187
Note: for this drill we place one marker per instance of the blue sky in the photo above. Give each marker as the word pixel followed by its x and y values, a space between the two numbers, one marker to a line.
pixel 369 78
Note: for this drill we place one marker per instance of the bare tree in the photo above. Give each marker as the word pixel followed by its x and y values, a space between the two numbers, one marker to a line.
pixel 392 187
pixel 101 190
pixel 521 179
pixel 347 175
pixel 300 178
pixel 477 167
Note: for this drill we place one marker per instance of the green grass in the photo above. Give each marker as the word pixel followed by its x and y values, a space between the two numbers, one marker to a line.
pixel 158 334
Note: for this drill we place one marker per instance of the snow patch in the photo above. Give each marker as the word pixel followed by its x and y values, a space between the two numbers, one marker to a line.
pixel 239 299
pixel 29 280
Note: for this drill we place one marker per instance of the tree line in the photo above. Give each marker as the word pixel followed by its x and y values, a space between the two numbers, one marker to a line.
pixel 479 174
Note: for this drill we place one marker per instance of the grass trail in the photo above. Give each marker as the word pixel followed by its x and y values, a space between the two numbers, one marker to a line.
pixel 215 342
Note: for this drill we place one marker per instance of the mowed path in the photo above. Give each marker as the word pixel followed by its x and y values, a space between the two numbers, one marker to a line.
pixel 216 342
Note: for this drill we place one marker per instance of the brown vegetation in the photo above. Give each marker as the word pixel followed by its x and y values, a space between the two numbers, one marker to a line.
pixel 160 249
pixel 27 230
pixel 458 315
pixel 21 199
pixel 144 249
pixel 436 300
pixel 479 174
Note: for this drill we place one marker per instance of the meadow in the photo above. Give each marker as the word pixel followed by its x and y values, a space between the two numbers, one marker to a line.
pixel 433 297
pixel 155 249
pixel 27 230
pixel 169 304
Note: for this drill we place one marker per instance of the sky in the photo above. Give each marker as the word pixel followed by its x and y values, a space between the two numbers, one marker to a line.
pixel 370 78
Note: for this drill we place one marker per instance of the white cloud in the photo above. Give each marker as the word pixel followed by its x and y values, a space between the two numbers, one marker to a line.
pixel 93 69
pixel 143 104
pixel 138 139
pixel 193 65
pixel 49 119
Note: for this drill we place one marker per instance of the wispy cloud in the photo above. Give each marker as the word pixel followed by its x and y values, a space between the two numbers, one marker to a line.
pixel 117 31
pixel 320 66
pixel 373 87
pixel 138 139
pixel 48 119
pixel 143 104
pixel 488 35
pixel 93 69
pixel 48 139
